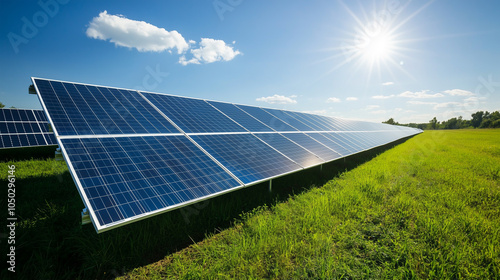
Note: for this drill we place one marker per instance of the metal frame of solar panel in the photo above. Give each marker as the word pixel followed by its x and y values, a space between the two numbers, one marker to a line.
pixel 135 154
pixel 20 128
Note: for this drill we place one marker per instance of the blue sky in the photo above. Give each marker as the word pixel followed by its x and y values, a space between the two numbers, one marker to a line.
pixel 369 60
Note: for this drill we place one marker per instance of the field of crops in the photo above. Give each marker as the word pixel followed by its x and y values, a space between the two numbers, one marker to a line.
pixel 425 208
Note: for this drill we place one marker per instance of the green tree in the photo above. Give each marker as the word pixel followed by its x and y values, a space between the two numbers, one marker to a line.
pixel 1 105
pixel 433 123
pixel 477 118
pixel 391 121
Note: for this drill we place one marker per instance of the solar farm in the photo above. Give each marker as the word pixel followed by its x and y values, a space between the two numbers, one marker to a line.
pixel 179 187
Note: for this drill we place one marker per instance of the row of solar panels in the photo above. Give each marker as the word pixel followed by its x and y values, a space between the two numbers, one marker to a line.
pixel 24 128
pixel 136 154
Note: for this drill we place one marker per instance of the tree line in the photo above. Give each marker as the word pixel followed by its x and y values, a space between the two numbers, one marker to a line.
pixel 480 119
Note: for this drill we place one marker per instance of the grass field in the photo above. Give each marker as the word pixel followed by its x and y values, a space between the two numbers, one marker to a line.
pixel 426 208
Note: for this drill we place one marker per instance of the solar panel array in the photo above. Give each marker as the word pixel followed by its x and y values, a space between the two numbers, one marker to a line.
pixel 24 128
pixel 135 154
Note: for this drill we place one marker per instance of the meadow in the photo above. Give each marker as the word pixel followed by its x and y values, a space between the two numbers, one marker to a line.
pixel 427 207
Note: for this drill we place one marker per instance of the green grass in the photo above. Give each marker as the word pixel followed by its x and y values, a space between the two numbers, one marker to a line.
pixel 427 208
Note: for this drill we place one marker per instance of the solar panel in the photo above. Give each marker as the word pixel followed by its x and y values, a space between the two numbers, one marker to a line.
pixel 136 154
pixel 292 150
pixel 126 177
pixel 266 118
pixel 77 109
pixel 241 117
pixel 24 128
pixel 250 159
pixel 193 115
pixel 324 152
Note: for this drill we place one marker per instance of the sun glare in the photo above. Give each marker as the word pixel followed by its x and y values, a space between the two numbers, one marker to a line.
pixel 376 48
pixel 377 44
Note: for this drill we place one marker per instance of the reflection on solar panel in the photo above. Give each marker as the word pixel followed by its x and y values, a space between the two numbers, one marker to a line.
pixel 24 128
pixel 136 154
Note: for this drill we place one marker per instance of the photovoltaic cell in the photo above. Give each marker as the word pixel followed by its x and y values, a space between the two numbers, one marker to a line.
pixel 295 123
pixel 334 145
pixel 240 116
pixel 124 177
pixel 312 145
pixel 267 118
pixel 24 128
pixel 290 149
pixel 246 156
pixel 193 115
pixel 77 109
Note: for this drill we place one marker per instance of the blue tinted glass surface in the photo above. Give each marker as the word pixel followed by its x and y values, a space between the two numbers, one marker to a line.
pixel 21 128
pixel 240 116
pixel 193 115
pixel 290 149
pixel 246 156
pixel 313 146
pixel 266 118
pixel 309 120
pixel 128 176
pixel 295 123
pixel 337 146
pixel 77 109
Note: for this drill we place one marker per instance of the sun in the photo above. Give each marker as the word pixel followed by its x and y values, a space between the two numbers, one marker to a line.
pixel 377 42
pixel 377 48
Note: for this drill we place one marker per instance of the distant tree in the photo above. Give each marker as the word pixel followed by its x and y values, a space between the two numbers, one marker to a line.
pixel 433 123
pixel 391 121
pixel 477 119
pixel 1 105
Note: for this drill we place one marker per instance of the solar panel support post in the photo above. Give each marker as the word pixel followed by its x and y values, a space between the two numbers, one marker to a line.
pixel 58 155
pixel 85 216
pixel 321 168
pixel 271 185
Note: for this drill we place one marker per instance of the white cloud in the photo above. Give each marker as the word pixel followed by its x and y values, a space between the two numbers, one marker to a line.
pixel 383 96
pixel 277 99
pixel 140 35
pixel 210 50
pixel 447 105
pixel 458 92
pixel 387 84
pixel 371 107
pixel 420 94
pixel 333 100
pixel 351 98
pixel 414 102
pixel 379 112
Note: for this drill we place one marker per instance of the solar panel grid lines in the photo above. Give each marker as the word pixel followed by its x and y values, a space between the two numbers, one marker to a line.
pixel 193 115
pixel 109 110
pixel 291 121
pixel 246 120
pixel 292 150
pixel 329 143
pixel 126 177
pixel 247 157
pixel 266 118
pixel 21 128
pixel 324 152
